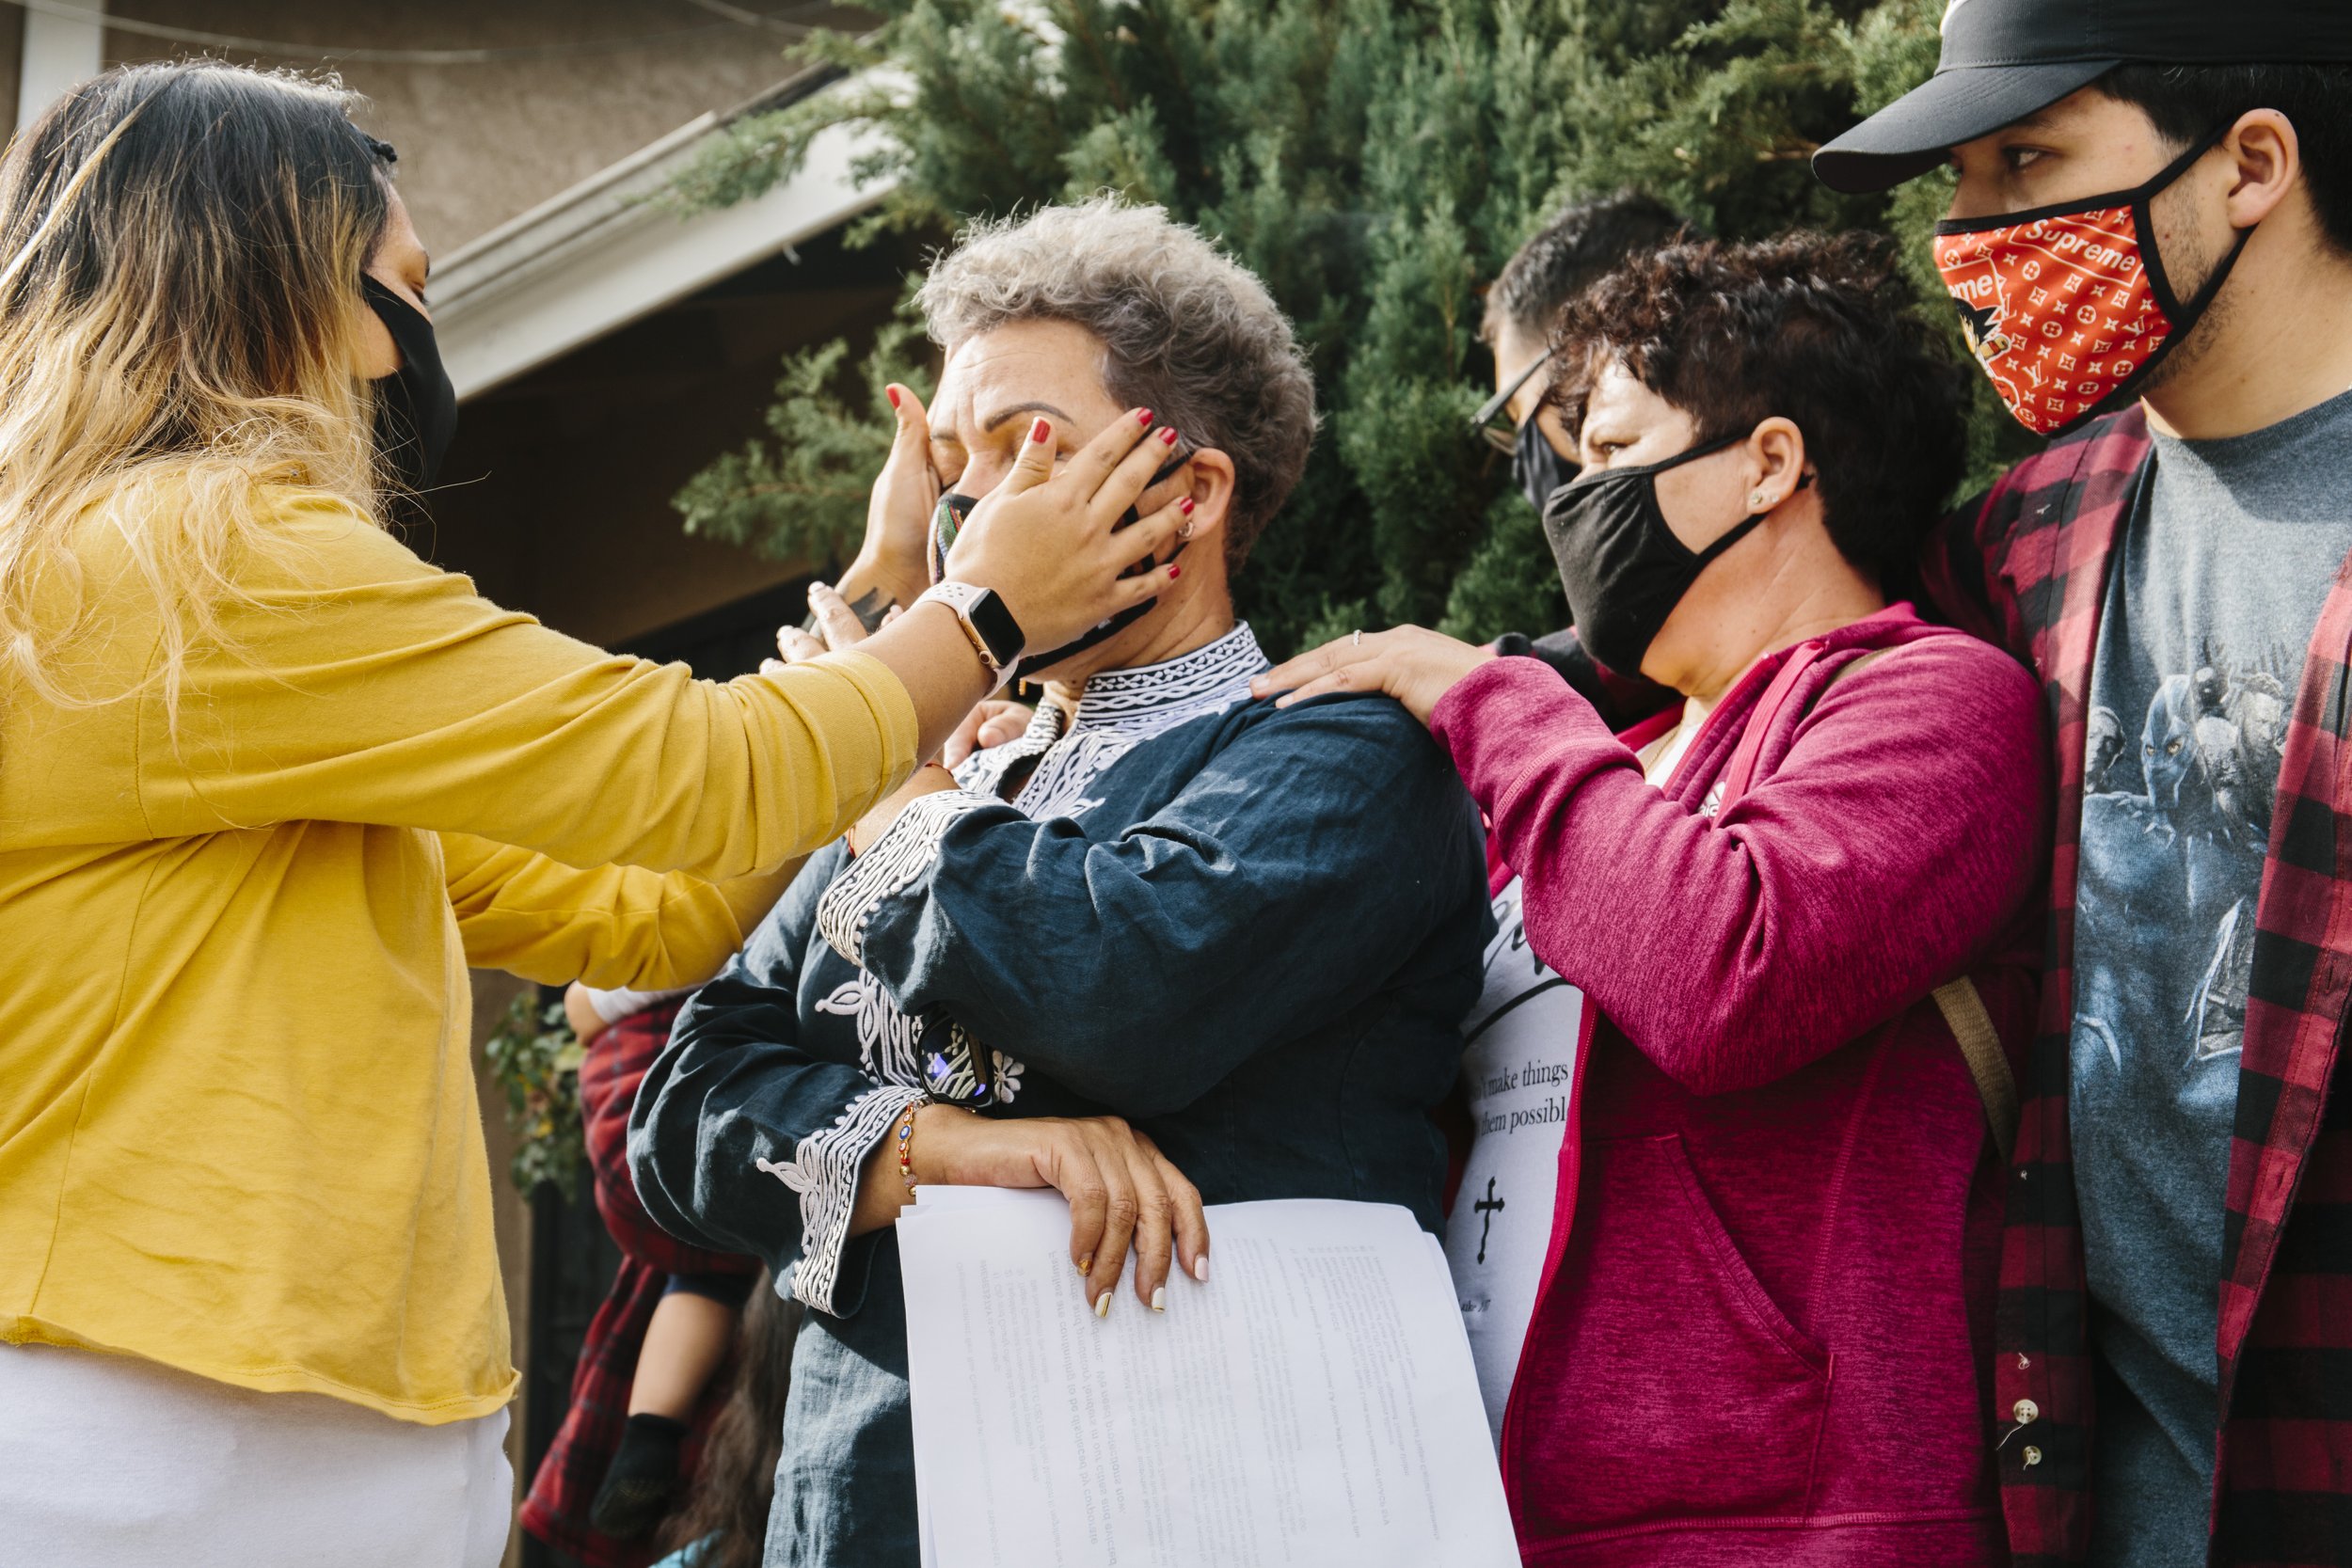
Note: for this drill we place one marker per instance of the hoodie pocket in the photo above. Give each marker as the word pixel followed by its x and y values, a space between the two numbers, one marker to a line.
pixel 1661 1382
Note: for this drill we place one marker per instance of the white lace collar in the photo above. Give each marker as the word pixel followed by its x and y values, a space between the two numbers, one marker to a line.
pixel 1152 698
pixel 1118 709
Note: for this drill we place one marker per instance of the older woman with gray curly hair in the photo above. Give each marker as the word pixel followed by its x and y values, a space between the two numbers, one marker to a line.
pixel 1170 947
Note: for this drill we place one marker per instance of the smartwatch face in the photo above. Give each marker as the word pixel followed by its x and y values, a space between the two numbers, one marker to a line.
pixel 996 624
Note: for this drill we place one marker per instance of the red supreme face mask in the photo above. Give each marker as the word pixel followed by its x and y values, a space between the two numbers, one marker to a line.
pixel 2068 308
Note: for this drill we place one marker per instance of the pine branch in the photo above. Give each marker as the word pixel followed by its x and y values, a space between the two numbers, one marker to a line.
pixel 1375 162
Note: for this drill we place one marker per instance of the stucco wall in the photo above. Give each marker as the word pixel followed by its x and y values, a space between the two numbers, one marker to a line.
pixel 482 143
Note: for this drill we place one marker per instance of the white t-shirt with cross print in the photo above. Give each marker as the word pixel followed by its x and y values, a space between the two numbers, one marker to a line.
pixel 1519 1063
pixel 1521 1048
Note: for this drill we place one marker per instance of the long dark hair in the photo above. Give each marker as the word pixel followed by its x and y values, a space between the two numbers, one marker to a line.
pixel 736 1478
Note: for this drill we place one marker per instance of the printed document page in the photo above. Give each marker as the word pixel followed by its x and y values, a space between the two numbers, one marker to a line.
pixel 1314 1403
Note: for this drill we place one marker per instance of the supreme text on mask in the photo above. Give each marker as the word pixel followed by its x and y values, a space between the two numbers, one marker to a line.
pixel 2068 308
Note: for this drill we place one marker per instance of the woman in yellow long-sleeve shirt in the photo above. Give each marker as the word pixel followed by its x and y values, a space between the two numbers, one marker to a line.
pixel 269 784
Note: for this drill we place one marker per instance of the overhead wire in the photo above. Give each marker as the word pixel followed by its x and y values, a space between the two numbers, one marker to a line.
pixel 772 21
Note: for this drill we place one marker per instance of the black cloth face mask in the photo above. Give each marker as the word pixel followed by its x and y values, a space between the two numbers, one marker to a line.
pixel 416 407
pixel 1623 567
pixel 1538 466
pixel 948 520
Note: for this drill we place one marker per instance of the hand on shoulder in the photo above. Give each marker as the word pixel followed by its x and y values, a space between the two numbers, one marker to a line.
pixel 1412 664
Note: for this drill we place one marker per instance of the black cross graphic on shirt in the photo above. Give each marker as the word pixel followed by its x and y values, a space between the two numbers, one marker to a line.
pixel 1486 1208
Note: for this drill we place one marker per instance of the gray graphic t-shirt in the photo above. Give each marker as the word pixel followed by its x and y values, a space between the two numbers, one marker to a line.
pixel 2224 564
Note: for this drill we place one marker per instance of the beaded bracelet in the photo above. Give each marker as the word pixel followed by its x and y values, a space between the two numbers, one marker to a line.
pixel 906 1146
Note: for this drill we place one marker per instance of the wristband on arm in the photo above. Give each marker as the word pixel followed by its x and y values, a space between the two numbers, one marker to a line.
pixel 987 623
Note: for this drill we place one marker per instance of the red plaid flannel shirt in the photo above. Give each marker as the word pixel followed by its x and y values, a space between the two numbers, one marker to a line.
pixel 557 1509
pixel 2028 568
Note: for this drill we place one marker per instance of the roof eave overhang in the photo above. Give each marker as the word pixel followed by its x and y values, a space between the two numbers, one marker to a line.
pixel 608 252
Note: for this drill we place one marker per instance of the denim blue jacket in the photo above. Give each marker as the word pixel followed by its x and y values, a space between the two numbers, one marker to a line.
pixel 1252 932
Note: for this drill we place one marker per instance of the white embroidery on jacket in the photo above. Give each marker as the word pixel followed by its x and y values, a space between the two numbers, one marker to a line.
pixel 1058 786
pixel 892 1047
pixel 889 1043
pixel 891 865
pixel 983 772
pixel 1153 698
pixel 823 1170
pixel 1118 711
pixel 1007 1077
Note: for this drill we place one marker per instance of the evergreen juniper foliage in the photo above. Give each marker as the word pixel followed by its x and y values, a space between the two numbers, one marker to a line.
pixel 1375 162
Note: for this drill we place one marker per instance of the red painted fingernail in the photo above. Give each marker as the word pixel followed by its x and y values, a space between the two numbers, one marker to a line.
pixel 1174 572
pixel 1039 430
pixel 1168 435
pixel 893 391
pixel 1185 506
pixel 1143 417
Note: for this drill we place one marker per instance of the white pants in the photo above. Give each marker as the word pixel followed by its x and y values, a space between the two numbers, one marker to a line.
pixel 109 1462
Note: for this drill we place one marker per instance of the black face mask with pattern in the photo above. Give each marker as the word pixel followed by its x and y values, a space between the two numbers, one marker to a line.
pixel 948 519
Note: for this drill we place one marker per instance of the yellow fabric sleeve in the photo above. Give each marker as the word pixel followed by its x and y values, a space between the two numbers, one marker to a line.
pixel 611 926
pixel 358 683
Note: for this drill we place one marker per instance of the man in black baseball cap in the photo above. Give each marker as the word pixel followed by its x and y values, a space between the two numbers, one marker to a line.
pixel 2149 245
pixel 2004 59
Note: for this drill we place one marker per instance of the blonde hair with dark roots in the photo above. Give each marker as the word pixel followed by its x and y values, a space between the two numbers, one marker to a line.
pixel 181 316
pixel 1186 329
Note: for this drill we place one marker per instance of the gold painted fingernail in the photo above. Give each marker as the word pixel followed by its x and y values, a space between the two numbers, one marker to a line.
pixel 1103 1305
pixel 1159 1299
pixel 1086 1264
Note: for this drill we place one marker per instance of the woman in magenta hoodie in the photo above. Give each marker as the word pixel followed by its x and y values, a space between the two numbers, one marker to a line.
pixel 1726 1241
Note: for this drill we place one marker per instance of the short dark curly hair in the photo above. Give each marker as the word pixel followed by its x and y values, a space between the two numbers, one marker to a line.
pixel 1821 329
